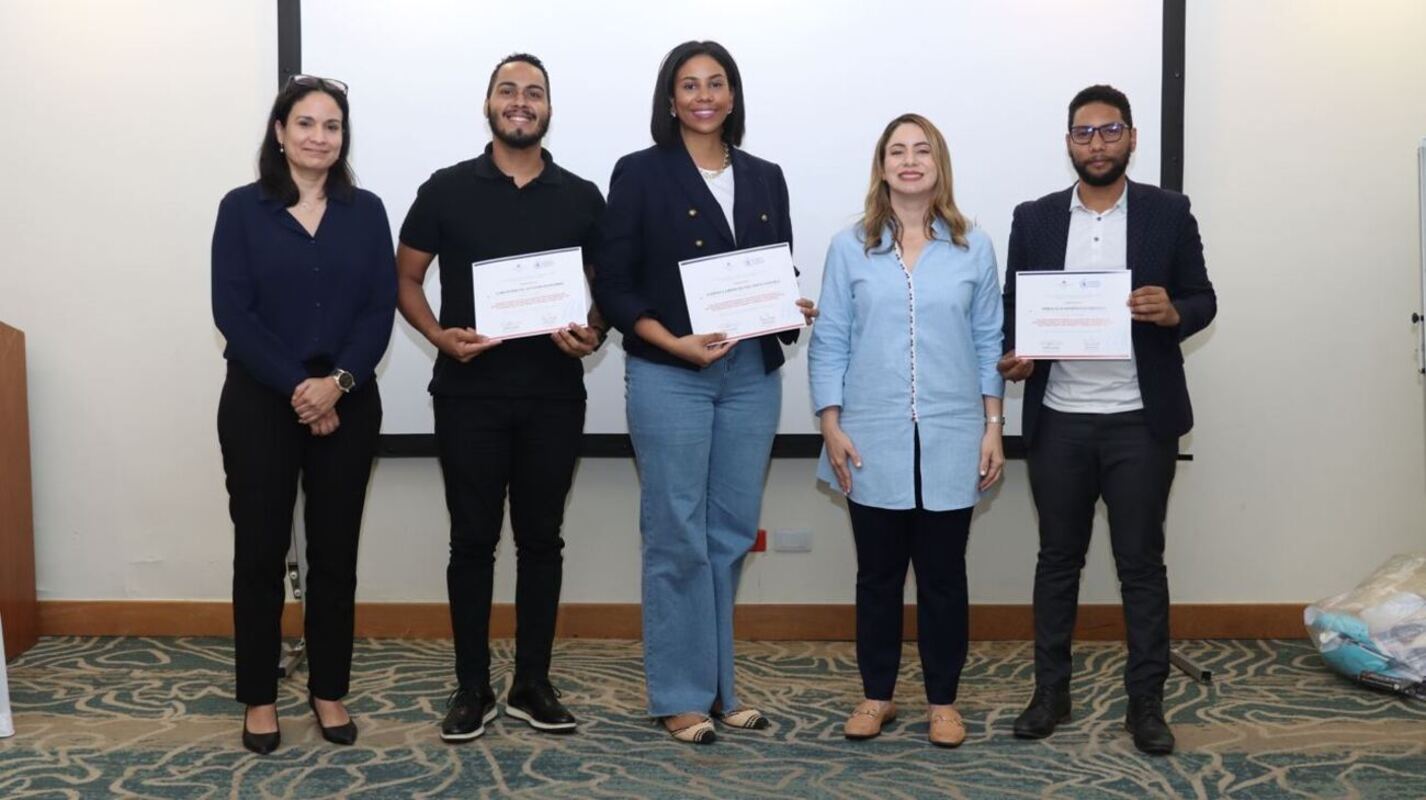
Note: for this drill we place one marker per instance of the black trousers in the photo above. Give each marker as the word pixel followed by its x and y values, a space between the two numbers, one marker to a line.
pixel 265 450
pixel 1074 460
pixel 486 444
pixel 935 542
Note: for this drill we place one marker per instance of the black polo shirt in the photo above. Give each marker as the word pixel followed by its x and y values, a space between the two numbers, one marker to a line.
pixel 474 212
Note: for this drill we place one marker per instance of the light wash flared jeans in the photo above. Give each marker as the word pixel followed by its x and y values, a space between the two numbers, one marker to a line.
pixel 702 441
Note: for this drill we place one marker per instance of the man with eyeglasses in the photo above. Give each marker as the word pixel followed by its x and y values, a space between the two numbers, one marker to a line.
pixel 509 414
pixel 1107 429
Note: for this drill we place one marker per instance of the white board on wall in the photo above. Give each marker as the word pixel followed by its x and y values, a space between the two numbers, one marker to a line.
pixel 821 79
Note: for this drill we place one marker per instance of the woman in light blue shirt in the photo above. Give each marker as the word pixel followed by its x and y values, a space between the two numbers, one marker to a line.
pixel 902 364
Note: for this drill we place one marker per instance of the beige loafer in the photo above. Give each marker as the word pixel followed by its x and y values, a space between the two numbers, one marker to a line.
pixel 867 718
pixel 947 728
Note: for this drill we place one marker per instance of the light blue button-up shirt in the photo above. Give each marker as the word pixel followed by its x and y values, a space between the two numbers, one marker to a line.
pixel 900 355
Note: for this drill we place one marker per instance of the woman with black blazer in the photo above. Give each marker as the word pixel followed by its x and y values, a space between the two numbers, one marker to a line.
pixel 702 411
pixel 304 291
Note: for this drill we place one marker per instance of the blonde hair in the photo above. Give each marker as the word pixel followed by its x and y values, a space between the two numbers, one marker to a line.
pixel 878 214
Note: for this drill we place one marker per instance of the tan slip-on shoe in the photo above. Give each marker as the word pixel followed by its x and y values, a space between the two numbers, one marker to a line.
pixel 947 728
pixel 867 718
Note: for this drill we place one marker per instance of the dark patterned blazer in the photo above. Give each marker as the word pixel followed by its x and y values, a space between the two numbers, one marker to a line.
pixel 1163 249
pixel 661 212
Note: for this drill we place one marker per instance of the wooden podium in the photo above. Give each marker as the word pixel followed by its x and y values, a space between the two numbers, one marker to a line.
pixel 18 607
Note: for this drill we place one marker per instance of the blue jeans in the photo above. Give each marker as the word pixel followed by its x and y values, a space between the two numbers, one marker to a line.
pixel 701 441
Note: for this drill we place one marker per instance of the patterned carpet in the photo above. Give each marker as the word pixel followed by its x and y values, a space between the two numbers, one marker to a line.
pixel 103 717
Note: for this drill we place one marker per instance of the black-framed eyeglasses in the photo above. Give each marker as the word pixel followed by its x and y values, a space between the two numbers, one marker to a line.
pixel 314 82
pixel 1110 133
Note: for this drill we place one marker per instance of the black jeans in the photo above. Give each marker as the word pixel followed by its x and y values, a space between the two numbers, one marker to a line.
pixel 265 450
pixel 485 444
pixel 1074 460
pixel 935 542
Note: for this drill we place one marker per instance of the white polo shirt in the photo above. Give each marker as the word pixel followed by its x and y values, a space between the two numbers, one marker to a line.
pixel 1096 241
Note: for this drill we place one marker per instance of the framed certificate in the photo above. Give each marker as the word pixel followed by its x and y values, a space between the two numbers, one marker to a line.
pixel 530 294
pixel 743 293
pixel 1073 315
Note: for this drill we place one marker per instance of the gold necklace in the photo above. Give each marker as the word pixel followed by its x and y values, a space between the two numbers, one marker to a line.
pixel 727 162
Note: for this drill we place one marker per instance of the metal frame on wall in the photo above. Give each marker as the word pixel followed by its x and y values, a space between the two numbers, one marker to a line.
pixel 1171 117
pixel 790 445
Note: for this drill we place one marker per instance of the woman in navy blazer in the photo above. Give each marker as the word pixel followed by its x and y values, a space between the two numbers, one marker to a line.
pixel 702 411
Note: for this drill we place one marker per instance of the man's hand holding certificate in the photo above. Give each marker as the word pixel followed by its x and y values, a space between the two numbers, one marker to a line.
pixel 743 293
pixel 530 294
pixel 1073 315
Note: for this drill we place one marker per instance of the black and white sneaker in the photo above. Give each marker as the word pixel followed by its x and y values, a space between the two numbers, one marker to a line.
pixel 537 703
pixel 467 712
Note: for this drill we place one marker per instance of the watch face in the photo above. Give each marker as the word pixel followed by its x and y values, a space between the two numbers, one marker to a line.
pixel 345 380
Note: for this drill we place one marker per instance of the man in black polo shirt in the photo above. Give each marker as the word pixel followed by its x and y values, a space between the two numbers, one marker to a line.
pixel 508 413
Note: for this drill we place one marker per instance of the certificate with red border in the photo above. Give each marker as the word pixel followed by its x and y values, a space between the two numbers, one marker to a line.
pixel 1073 315
pixel 531 294
pixel 742 293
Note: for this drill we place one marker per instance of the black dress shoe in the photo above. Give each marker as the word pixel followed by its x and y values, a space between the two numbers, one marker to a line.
pixel 1145 721
pixel 467 711
pixel 337 734
pixel 537 703
pixel 260 743
pixel 1049 707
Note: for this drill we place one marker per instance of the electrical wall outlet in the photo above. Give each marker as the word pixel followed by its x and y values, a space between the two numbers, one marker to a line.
pixel 792 541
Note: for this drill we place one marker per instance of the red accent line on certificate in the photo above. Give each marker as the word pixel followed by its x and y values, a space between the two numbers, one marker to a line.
pixel 754 334
pixel 1056 357
pixel 524 334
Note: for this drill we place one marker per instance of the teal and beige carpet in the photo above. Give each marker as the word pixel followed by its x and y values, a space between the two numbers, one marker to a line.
pixel 102 717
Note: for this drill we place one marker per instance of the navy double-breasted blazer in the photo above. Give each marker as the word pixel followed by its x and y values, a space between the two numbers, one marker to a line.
pixel 660 212
pixel 1163 248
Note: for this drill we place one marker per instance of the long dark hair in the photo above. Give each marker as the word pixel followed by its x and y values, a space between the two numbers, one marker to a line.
pixel 273 173
pixel 663 125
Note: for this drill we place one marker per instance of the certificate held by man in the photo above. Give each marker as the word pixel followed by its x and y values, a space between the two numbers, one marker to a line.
pixel 531 294
pixel 743 293
pixel 1073 315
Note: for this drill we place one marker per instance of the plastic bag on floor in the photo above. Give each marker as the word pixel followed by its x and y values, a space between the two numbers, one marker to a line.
pixel 1376 633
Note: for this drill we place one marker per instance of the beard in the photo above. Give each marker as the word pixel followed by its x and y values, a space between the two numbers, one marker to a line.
pixel 1117 167
pixel 517 139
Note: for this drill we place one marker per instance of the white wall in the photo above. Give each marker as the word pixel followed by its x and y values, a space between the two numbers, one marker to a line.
pixel 125 122
pixel 433 56
pixel 1303 120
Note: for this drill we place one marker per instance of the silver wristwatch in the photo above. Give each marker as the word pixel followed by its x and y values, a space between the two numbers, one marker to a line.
pixel 345 380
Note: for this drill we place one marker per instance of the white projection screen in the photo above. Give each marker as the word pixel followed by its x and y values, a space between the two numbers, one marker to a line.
pixel 821 79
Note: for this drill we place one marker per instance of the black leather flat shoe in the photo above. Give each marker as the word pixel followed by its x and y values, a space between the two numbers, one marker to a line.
pixel 260 743
pixel 1049 706
pixel 345 734
pixel 1145 720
